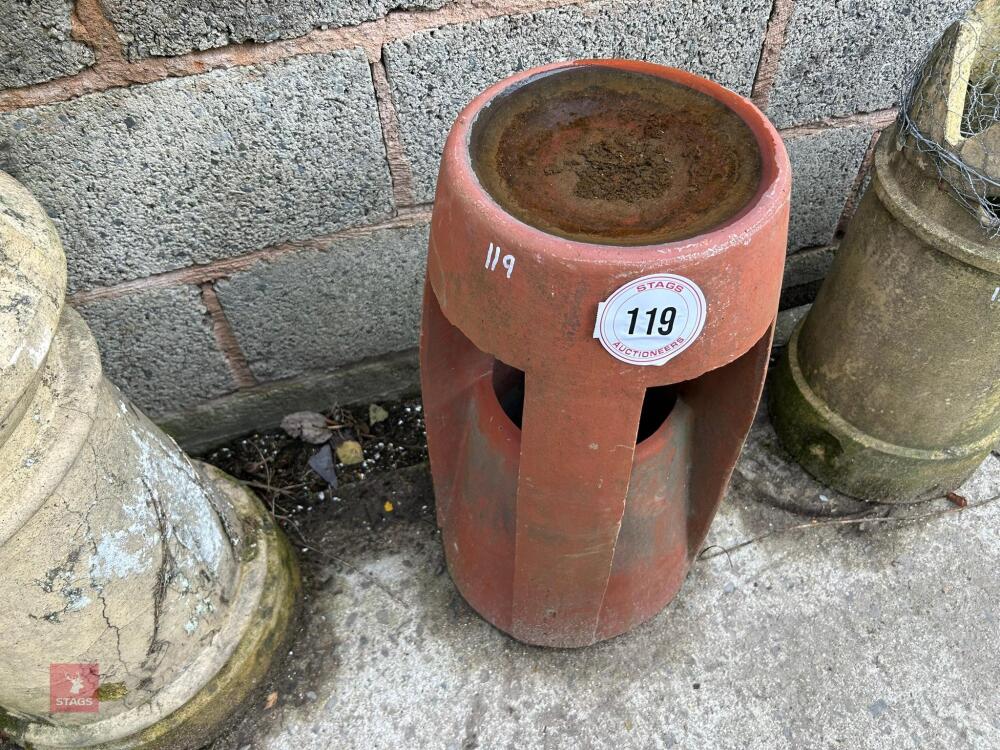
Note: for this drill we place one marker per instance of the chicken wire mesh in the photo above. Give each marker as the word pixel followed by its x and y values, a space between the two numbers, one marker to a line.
pixel 950 100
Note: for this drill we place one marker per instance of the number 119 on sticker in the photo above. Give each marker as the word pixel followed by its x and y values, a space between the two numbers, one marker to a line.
pixel 652 319
pixel 667 318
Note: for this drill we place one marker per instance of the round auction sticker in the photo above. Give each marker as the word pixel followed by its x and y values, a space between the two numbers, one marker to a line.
pixel 651 320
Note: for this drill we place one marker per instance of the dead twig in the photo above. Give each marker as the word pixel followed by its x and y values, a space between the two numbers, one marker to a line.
pixel 267 475
pixel 847 521
pixel 722 551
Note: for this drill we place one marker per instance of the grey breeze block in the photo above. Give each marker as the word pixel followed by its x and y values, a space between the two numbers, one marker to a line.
pixel 434 73
pixel 851 56
pixel 173 27
pixel 35 42
pixel 188 170
pixel 824 167
pixel 313 310
pixel 157 346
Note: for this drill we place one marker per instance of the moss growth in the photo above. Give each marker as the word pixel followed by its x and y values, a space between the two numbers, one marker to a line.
pixel 111 691
pixel 849 460
pixel 15 727
pixel 11 726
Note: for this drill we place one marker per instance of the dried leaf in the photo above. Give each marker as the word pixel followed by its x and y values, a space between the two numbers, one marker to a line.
pixel 376 414
pixel 350 452
pixel 308 426
pixel 324 464
pixel 960 500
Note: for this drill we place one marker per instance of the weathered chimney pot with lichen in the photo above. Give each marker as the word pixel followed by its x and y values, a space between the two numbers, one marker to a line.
pixel 890 389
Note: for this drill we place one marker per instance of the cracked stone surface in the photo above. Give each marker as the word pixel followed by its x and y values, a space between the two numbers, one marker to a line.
pixel 881 634
pixel 111 547
pixel 122 559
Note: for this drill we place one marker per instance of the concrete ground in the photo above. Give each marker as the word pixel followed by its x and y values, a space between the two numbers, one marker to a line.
pixel 881 634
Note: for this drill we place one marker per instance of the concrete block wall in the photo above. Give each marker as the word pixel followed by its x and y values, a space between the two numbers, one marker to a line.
pixel 243 188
